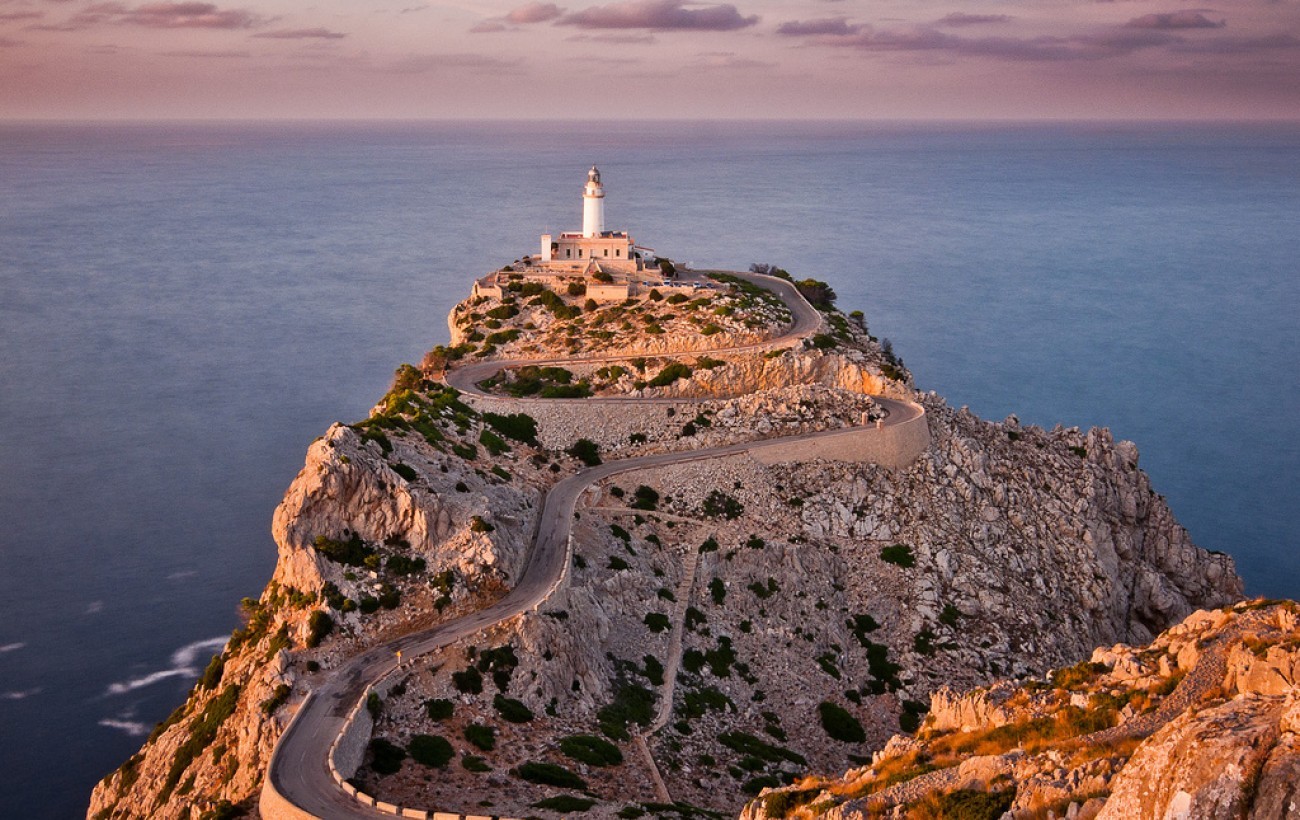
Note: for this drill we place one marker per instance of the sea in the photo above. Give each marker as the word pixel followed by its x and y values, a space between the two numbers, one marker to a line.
pixel 185 306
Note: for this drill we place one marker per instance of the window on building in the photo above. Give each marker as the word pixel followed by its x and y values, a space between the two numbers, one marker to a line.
pixel 618 251
pixel 579 253
pixel 606 253
pixel 568 252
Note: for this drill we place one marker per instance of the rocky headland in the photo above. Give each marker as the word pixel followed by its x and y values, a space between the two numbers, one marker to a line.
pixel 728 622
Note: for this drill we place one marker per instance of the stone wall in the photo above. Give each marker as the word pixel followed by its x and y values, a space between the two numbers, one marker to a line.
pixel 894 446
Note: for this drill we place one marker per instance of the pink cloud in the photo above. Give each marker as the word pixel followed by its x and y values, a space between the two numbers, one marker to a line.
pixel 1099 46
pixel 1175 20
pixel 489 27
pixel 534 13
pixel 825 25
pixel 660 15
pixel 302 34
pixel 958 18
pixel 21 15
pixel 165 15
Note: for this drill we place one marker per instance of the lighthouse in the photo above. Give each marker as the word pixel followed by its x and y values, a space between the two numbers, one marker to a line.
pixel 593 245
pixel 593 205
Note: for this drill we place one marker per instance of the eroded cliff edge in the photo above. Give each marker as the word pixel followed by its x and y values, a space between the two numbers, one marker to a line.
pixel 810 605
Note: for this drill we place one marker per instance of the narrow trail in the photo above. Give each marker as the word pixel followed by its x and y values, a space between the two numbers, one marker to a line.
pixel 299 783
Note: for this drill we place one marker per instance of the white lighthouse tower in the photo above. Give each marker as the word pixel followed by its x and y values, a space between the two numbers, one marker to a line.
pixel 593 205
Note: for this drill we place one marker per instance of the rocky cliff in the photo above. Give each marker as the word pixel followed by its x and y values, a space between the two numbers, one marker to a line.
pixel 726 625
pixel 1203 722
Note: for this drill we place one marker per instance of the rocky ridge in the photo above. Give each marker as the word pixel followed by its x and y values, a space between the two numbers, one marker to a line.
pixel 810 606
pixel 1203 722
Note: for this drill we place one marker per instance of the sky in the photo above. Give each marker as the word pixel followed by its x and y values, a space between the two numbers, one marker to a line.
pixel 650 59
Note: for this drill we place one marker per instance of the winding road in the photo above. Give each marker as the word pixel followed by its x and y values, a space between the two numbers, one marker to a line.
pixel 298 781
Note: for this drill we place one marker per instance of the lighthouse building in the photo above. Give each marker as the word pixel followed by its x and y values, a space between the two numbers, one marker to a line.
pixel 577 250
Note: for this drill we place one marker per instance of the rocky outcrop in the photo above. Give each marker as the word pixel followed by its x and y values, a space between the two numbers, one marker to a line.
pixel 1194 725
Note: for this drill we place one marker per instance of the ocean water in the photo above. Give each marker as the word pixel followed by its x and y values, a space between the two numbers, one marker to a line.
pixel 184 307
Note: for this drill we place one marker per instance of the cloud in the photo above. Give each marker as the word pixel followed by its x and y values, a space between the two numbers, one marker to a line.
pixel 534 13
pixel 166 16
pixel 1099 46
pixel 825 25
pixel 21 15
pixel 619 39
pixel 1240 45
pixel 1175 20
pixel 302 34
pixel 713 60
pixel 489 27
pixel 660 15
pixel 424 63
pixel 958 18
pixel 205 55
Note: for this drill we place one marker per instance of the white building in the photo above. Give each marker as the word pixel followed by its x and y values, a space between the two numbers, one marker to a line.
pixel 576 250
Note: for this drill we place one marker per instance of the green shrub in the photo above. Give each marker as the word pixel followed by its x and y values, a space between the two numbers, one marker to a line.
pixel 470 681
pixel 910 718
pixel 746 744
pixel 319 625
pixel 404 471
pixel 923 643
pixel 949 615
pixel 839 724
pixel 654 670
pixel 431 750
pixel 632 703
pixel 494 444
pixel 696 702
pixel 549 774
pixel 512 710
pixel 658 622
pixel 404 565
pixel 352 552
pixel 212 674
pixel 483 737
pixel 967 804
pixel 617 564
pixel 710 545
pixel 718 589
pixel 586 451
pixel 474 763
pixel 385 757
pixel 719 503
pixel 477 524
pixel 466 451
pixel 592 750
pixel 670 374
pixel 566 803
pixel 646 498
pixel 202 731
pixel 899 555
pixel 1072 677
pixel 278 698
pixel 757 784
pixel 518 426
pixel 439 709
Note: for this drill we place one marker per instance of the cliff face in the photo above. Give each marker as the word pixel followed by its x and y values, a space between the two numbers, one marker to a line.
pixel 1203 722
pixel 753 619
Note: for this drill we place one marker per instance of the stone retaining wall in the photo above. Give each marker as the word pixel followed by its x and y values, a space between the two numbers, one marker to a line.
pixel 893 446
